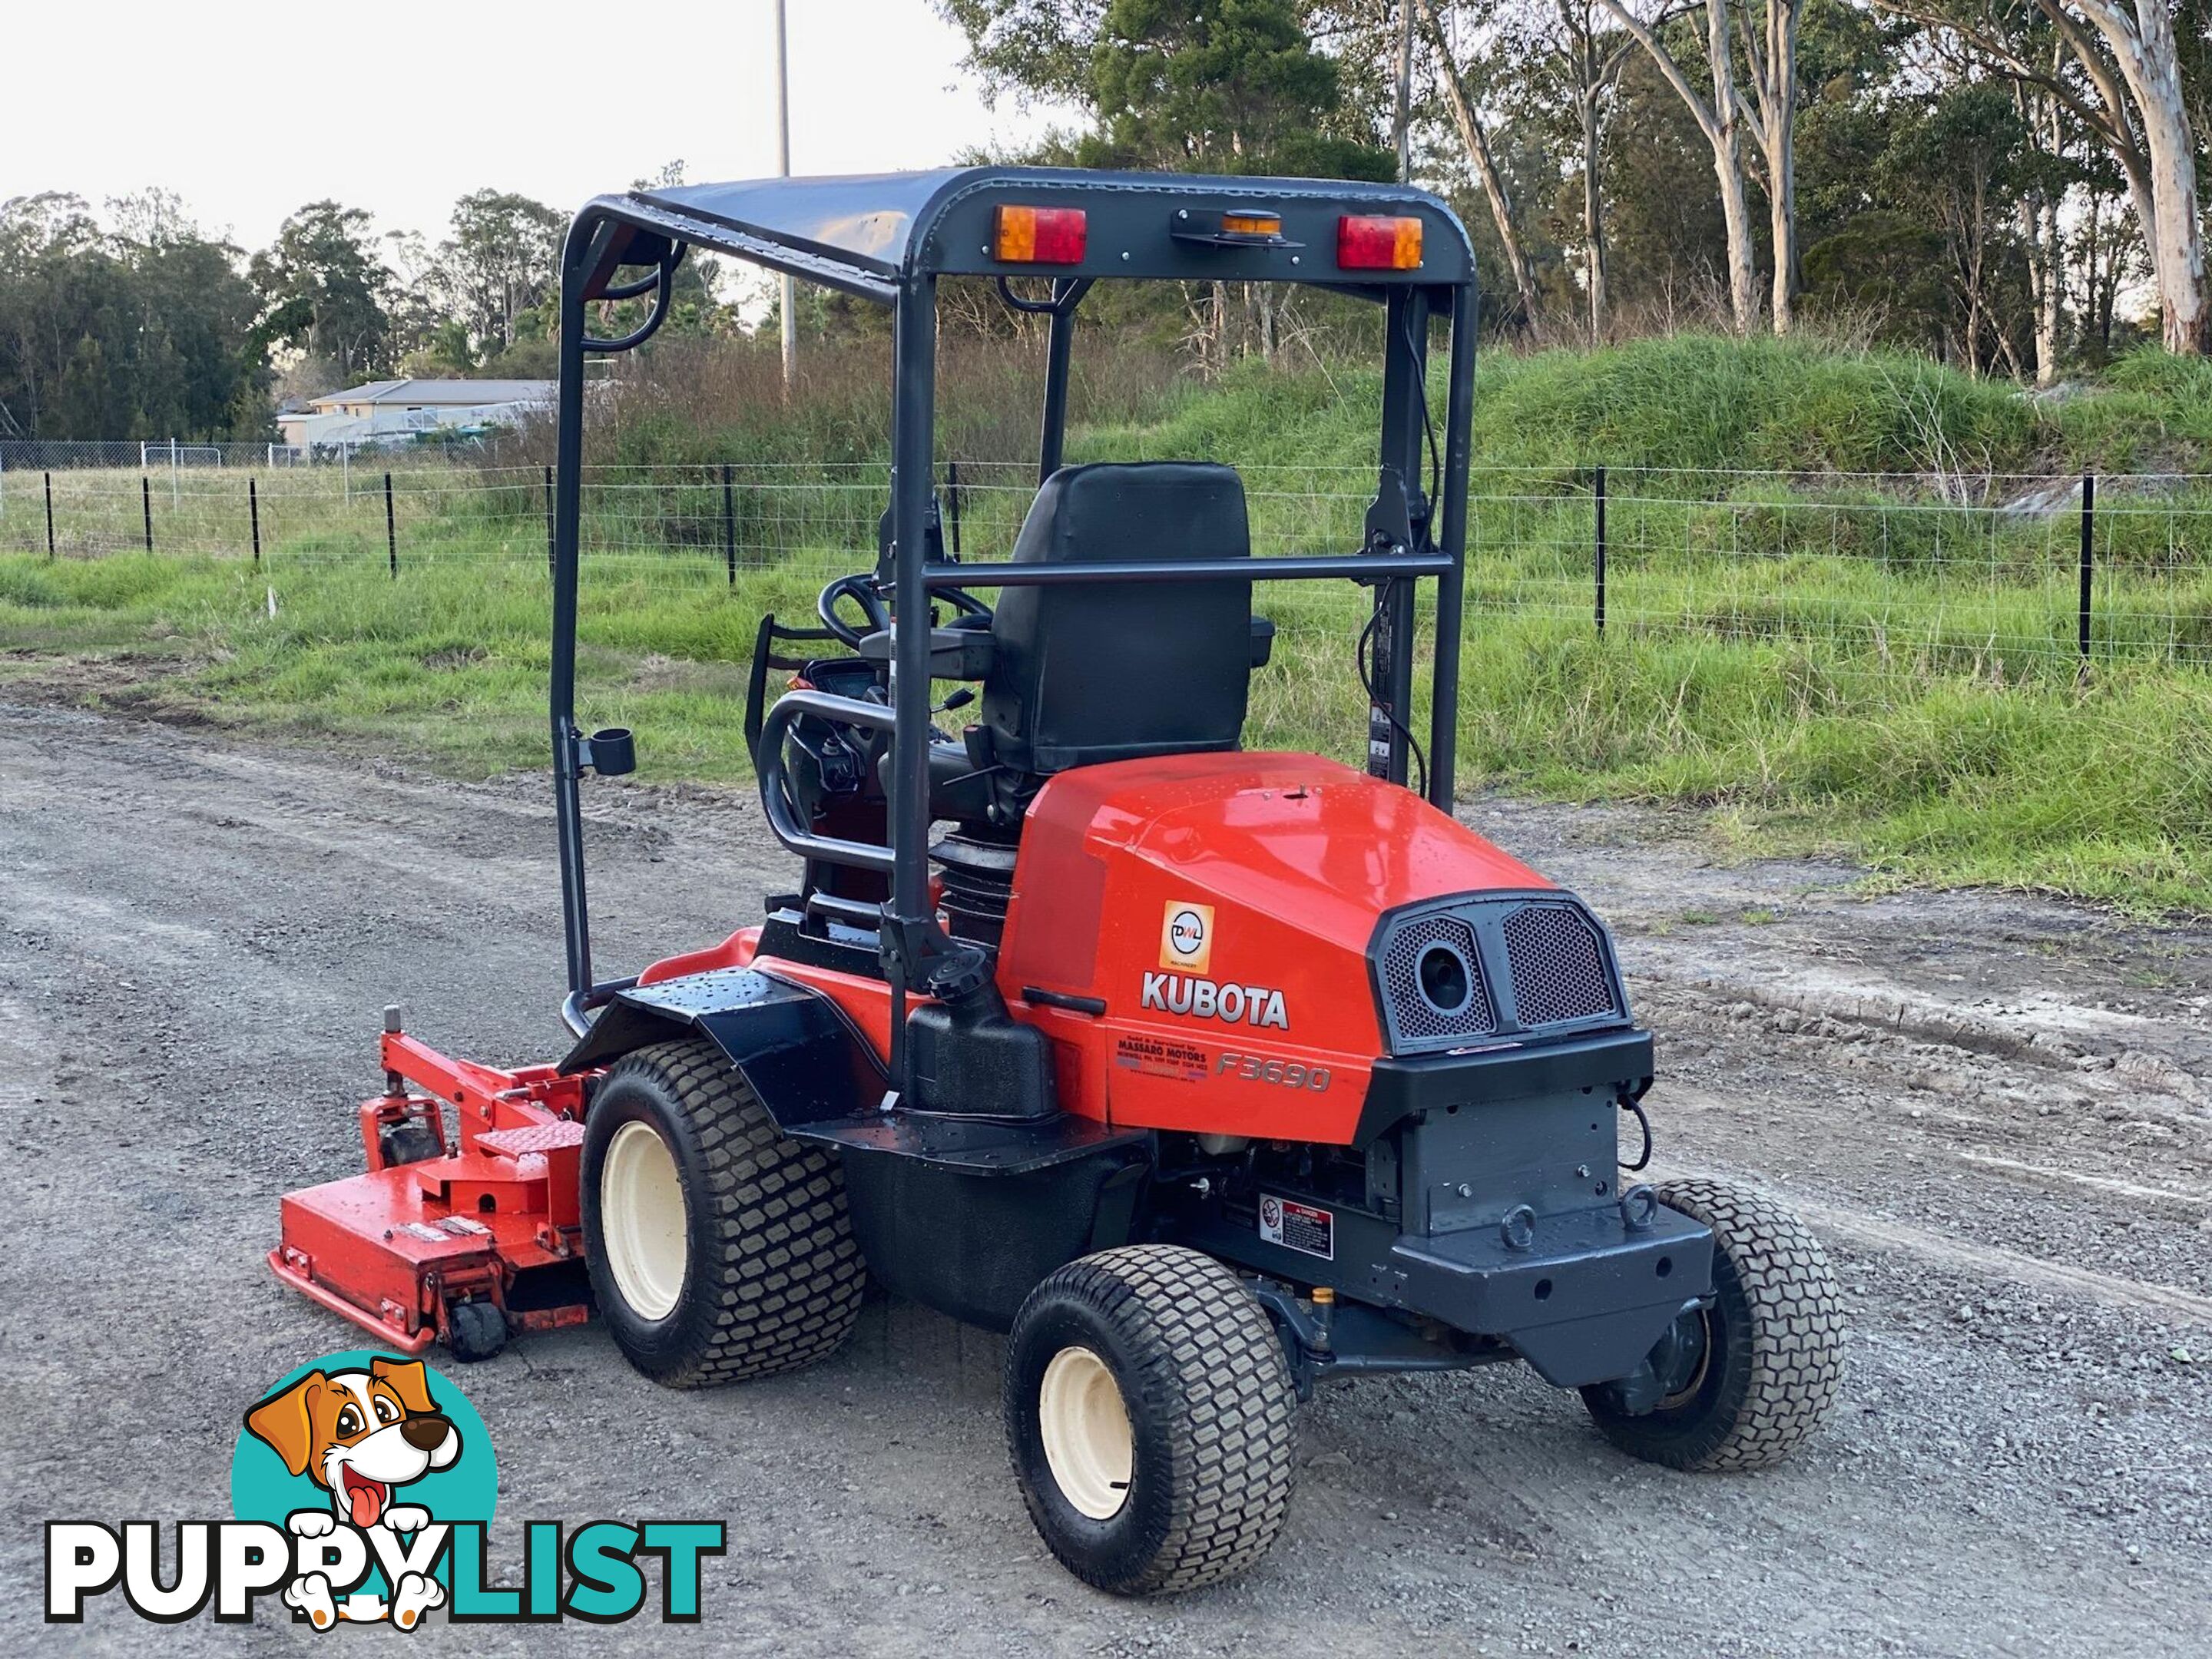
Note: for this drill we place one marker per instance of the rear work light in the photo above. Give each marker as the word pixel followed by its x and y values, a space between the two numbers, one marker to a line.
pixel 1378 242
pixel 1040 236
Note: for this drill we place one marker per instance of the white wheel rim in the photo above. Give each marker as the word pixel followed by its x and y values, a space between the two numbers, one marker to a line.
pixel 643 1222
pixel 1088 1444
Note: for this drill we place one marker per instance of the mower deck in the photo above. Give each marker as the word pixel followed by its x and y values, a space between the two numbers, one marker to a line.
pixel 396 1248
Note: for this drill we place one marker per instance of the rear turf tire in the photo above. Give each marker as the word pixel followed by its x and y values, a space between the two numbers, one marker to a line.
pixel 719 1247
pixel 1773 1349
pixel 1151 1419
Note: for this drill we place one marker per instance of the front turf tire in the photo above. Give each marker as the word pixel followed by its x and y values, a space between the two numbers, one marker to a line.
pixel 1196 1477
pixel 1774 1359
pixel 749 1262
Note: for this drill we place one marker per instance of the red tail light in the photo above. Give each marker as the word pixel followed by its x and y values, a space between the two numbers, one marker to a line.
pixel 1378 242
pixel 1040 236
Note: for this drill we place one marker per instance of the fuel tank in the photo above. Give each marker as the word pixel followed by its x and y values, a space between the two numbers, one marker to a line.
pixel 1232 941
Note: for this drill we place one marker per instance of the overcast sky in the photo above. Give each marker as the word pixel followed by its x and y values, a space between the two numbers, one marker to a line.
pixel 247 111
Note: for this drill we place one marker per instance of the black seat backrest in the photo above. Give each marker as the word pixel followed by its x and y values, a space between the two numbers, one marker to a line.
pixel 1101 672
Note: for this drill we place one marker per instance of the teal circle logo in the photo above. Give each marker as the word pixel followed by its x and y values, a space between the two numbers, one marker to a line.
pixel 369 1441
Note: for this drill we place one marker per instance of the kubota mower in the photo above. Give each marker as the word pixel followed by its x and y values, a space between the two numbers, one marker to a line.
pixel 1208 1075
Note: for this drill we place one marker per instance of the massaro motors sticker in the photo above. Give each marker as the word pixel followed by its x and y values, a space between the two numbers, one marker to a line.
pixel 364 1486
pixel 1186 954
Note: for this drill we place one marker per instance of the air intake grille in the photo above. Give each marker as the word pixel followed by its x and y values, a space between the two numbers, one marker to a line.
pixel 1415 1009
pixel 1558 965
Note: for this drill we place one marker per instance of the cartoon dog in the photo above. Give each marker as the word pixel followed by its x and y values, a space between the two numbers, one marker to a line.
pixel 360 1436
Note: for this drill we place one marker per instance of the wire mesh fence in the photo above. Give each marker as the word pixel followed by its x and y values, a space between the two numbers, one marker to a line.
pixel 2000 577
pixel 176 455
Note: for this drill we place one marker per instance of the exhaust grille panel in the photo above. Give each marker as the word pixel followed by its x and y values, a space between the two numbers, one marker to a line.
pixel 1419 1016
pixel 1492 968
pixel 1559 965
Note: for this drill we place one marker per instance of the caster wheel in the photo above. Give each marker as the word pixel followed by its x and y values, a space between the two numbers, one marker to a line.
pixel 1744 1382
pixel 475 1330
pixel 411 1142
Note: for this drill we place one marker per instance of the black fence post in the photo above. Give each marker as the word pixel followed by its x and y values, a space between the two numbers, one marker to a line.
pixel 50 515
pixel 146 505
pixel 549 521
pixel 2088 556
pixel 253 510
pixel 1599 493
pixel 391 530
pixel 729 525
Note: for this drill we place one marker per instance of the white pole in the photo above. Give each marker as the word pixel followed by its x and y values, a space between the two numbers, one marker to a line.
pixel 783 171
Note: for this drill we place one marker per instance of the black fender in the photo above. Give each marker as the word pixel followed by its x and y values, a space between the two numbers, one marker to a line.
pixel 793 1045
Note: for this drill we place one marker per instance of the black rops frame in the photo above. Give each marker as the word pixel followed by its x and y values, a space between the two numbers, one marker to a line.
pixel 888 239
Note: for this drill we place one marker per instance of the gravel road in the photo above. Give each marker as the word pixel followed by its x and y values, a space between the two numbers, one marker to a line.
pixel 1996 1110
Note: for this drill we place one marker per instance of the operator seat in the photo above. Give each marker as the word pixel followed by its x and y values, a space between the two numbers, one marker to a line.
pixel 1086 673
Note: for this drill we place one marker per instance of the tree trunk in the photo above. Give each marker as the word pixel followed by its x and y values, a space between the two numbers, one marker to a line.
pixel 2038 226
pixel 2132 102
pixel 2038 236
pixel 2179 256
pixel 2142 45
pixel 1263 311
pixel 1782 219
pixel 1728 169
pixel 1593 220
pixel 1405 111
pixel 1720 122
pixel 1778 97
pixel 1478 149
pixel 1975 236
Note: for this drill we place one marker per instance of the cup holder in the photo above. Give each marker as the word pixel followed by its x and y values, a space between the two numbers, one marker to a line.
pixel 611 751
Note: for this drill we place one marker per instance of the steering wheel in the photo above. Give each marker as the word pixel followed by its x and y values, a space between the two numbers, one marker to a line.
pixel 860 589
pixel 963 601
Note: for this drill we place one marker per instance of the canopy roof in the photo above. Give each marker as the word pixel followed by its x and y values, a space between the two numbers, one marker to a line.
pixel 868 233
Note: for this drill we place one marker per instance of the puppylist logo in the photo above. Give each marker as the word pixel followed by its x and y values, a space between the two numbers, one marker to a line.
pixel 363 1487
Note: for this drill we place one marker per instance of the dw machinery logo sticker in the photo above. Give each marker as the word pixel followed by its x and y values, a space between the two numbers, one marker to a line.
pixel 364 1486
pixel 1187 937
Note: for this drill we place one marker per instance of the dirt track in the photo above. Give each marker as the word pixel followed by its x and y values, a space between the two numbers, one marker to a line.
pixel 1998 1111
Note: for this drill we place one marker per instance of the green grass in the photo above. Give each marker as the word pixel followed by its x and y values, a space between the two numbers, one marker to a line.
pixel 1687 402
pixel 1814 663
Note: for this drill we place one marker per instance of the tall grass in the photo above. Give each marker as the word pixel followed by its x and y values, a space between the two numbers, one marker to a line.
pixel 1818 660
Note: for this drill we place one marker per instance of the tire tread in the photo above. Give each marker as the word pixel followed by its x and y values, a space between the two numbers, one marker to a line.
pixel 1795 1346
pixel 787 1289
pixel 1205 1345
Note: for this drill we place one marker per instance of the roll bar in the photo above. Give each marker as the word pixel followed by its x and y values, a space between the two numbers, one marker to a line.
pixel 1411 532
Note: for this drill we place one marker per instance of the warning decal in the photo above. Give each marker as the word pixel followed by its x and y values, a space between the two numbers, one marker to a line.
pixel 1295 1226
pixel 1186 1062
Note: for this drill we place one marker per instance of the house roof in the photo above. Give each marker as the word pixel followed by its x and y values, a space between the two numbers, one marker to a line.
pixel 462 393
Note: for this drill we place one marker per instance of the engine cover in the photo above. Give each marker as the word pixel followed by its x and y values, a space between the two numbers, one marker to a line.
pixel 1234 914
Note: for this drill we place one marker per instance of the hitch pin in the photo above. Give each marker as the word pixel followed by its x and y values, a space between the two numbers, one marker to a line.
pixel 1324 1306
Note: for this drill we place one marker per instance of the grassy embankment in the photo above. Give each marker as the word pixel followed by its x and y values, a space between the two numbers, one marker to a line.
pixel 1813 662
